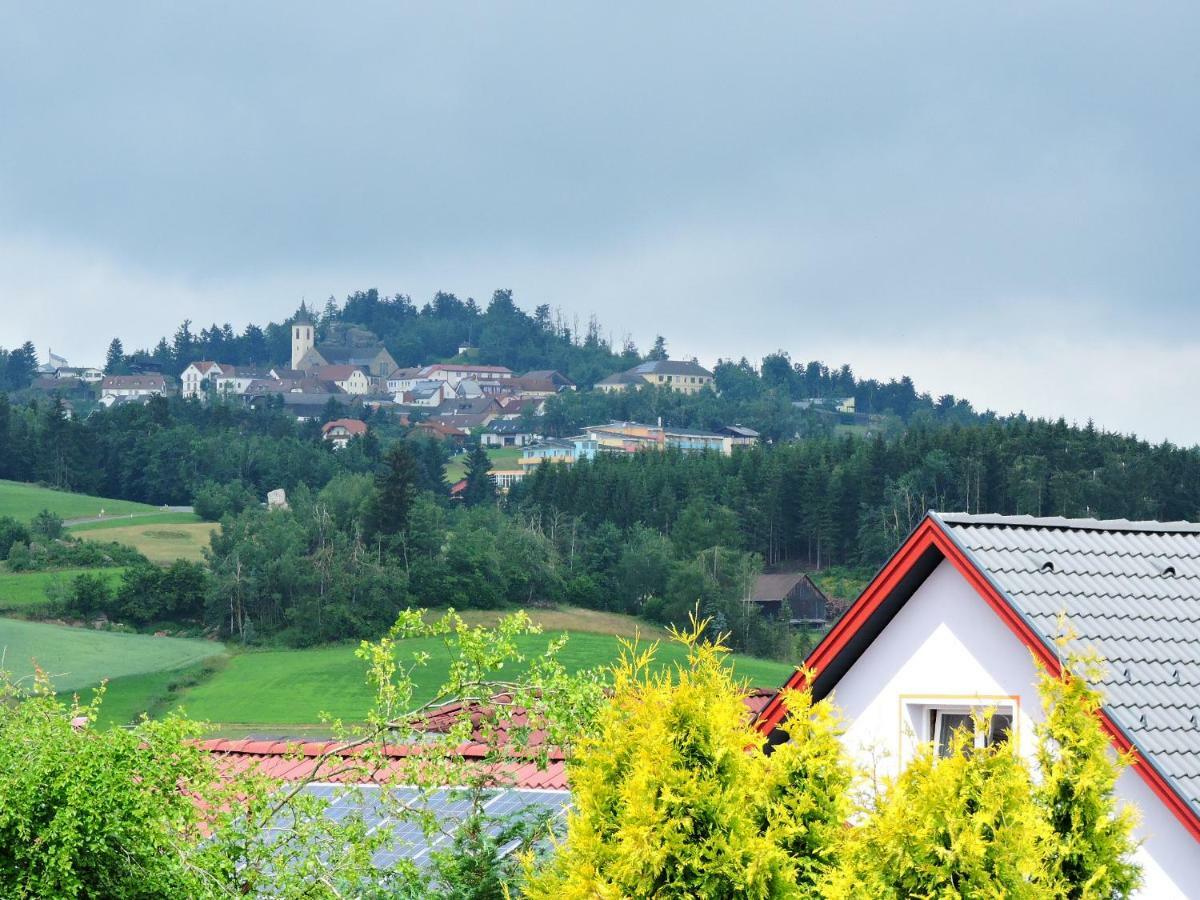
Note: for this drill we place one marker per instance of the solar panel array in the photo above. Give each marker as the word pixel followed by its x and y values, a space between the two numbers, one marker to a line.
pixel 399 812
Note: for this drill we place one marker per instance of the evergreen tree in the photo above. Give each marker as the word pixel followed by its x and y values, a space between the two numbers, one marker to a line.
pixel 659 350
pixel 1093 848
pixel 395 490
pixel 481 484
pixel 114 360
pixel 21 367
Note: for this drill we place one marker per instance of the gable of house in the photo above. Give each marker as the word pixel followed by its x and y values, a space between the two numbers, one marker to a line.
pixel 968 608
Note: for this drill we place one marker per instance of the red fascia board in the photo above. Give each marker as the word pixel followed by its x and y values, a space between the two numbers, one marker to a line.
pixel 930 534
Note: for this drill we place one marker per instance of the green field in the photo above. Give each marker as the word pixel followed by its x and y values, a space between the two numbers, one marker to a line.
pixel 81 657
pixel 294 687
pixel 505 458
pixel 24 501
pixel 26 590
pixel 161 543
pixel 167 518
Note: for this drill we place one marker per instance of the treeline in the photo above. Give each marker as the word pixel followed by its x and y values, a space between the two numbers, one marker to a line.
pixel 343 561
pixel 829 500
pixel 166 451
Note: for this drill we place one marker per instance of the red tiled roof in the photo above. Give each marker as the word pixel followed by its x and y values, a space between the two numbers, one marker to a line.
pixel 353 426
pixel 296 760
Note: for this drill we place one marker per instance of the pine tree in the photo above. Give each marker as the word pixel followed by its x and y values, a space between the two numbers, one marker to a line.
pixel 114 361
pixel 481 484
pixel 395 490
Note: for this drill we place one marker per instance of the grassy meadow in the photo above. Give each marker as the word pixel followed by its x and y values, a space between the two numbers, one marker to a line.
pixel 274 688
pixel 160 542
pixel 26 591
pixel 24 501
pixel 82 657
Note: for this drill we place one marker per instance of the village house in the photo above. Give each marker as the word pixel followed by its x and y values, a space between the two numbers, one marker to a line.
pixel 456 372
pixel 199 377
pixel 150 384
pixel 677 375
pixel 341 432
pixel 965 613
pixel 543 383
pixel 86 374
pixel 351 379
pixel 401 380
pixel 506 433
pixel 234 381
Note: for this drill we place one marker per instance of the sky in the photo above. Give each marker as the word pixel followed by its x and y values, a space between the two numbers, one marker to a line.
pixel 1000 200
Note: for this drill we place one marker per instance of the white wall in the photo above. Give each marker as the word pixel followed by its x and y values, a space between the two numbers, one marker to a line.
pixel 948 643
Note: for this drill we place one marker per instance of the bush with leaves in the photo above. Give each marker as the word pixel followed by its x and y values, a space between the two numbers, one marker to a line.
pixel 980 823
pixel 674 795
pixel 146 813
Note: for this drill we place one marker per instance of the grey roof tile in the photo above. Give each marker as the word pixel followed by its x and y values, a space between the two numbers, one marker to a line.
pixel 1109 580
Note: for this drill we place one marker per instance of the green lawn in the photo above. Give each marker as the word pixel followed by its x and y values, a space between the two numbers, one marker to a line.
pixel 167 518
pixel 80 657
pixel 23 590
pixel 24 501
pixel 504 458
pixel 294 687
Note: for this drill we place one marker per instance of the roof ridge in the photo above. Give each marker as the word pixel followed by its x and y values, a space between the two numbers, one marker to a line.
pixel 1066 524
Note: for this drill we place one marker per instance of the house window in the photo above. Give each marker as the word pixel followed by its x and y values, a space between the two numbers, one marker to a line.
pixel 945 721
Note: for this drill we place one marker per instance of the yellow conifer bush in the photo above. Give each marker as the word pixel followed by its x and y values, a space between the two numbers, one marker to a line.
pixel 674 797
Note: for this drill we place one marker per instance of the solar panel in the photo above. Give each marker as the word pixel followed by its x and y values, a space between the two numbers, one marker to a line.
pixel 449 807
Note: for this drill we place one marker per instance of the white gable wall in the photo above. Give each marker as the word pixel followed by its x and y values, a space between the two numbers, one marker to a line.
pixel 947 646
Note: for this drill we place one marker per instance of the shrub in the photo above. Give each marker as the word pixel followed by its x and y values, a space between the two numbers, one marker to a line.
pixel 674 796
pixel 11 532
pixel 47 524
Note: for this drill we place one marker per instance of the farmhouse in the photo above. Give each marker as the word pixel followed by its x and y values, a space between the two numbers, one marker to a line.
pixel 199 375
pixel 962 616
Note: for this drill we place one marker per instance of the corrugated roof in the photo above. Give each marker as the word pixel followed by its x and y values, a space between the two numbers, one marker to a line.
pixel 1131 591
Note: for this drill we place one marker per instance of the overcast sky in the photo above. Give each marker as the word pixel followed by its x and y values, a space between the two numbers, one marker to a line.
pixel 1001 199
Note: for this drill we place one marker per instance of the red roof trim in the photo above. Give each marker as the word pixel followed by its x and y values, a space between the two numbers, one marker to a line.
pixel 930 534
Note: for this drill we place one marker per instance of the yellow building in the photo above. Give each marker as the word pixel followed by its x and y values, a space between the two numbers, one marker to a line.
pixel 673 374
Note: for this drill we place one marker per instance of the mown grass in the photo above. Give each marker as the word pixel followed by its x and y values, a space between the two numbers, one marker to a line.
pixel 167 518
pixel 81 657
pixel 151 693
pixel 24 501
pixel 163 543
pixel 26 591
pixel 294 687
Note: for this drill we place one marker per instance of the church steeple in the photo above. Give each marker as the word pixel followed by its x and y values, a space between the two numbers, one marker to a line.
pixel 303 337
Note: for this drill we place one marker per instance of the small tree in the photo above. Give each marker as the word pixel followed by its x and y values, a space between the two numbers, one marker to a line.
pixel 674 796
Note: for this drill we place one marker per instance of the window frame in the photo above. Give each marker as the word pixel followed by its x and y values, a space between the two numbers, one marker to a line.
pixel 920 717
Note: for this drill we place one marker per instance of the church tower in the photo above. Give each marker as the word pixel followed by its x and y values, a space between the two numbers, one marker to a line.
pixel 303 335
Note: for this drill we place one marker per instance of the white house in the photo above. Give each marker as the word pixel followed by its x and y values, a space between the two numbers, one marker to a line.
pixel 351 379
pixel 191 380
pixel 148 385
pixel 456 372
pixel 952 624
